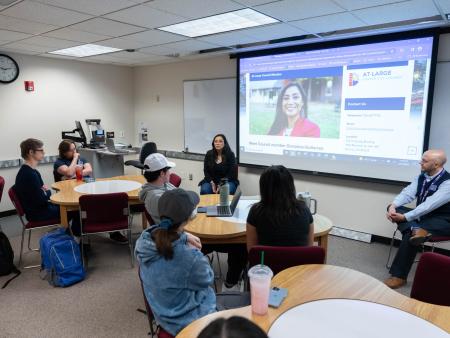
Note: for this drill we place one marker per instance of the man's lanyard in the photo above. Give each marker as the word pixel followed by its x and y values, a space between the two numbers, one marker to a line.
pixel 432 187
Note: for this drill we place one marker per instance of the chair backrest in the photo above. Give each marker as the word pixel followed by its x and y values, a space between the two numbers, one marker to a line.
pixel 15 201
pixel 149 218
pixel 279 258
pixel 105 211
pixel 432 279
pixel 2 186
pixel 175 180
pixel 147 149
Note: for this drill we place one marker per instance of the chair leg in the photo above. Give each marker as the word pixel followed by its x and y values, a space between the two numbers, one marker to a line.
pixel 82 251
pixel 388 265
pixel 130 244
pixel 21 246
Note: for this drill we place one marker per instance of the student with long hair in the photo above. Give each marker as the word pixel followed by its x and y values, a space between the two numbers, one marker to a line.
pixel 233 327
pixel 67 161
pixel 291 117
pixel 219 163
pixel 279 219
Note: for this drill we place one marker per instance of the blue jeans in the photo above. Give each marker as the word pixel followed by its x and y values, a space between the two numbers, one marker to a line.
pixel 206 188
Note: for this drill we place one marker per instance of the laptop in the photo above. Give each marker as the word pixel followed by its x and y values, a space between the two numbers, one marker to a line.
pixel 112 147
pixel 224 210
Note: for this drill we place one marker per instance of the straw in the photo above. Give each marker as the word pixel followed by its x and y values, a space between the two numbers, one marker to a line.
pixel 262 257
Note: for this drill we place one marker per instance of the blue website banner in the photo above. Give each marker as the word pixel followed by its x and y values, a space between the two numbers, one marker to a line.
pixel 379 65
pixel 375 103
pixel 295 74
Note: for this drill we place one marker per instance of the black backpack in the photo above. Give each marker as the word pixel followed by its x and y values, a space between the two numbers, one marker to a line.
pixel 7 259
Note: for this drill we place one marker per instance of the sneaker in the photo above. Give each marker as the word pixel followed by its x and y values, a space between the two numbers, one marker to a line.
pixel 230 288
pixel 118 237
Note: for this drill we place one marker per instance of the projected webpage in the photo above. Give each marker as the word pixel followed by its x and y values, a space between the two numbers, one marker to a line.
pixel 325 110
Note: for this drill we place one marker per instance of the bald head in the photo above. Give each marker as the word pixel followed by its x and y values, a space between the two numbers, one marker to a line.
pixel 433 161
pixel 436 155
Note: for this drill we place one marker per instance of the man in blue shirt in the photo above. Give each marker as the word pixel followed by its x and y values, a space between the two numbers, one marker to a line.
pixel 431 189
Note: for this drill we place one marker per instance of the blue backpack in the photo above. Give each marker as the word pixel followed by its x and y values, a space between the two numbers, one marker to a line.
pixel 61 259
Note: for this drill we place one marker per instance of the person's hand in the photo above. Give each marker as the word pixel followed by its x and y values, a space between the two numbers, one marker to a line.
pixel 214 187
pixel 44 187
pixel 391 211
pixel 193 241
pixel 397 218
pixel 76 156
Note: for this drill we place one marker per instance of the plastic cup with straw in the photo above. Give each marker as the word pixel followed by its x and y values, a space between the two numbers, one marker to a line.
pixel 260 276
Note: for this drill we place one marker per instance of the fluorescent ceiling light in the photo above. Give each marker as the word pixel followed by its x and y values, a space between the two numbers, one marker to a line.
pixel 230 21
pixel 85 50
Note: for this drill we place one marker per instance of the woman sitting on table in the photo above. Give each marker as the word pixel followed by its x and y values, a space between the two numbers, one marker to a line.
pixel 69 159
pixel 279 219
pixel 219 163
pixel 33 194
pixel 176 276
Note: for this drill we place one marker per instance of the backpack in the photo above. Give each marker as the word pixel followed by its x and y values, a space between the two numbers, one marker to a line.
pixel 61 259
pixel 7 259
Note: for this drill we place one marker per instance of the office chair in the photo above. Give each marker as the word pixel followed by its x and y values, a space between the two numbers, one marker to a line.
pixel 147 149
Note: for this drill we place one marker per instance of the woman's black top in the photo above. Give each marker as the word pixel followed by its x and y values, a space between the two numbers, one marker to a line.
pixel 216 171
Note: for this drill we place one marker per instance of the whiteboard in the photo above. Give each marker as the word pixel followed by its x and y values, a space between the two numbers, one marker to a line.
pixel 440 115
pixel 209 109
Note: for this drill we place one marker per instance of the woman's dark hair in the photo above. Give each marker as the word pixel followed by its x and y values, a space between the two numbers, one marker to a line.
pixel 278 200
pixel 225 151
pixel 28 145
pixel 164 237
pixel 64 147
pixel 233 327
pixel 150 176
pixel 281 120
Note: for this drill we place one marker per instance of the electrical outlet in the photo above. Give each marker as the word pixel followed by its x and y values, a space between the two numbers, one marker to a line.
pixel 191 177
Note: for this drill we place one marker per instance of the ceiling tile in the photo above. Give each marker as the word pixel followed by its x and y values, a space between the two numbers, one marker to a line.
pixel 35 11
pixel 12 36
pixel 27 47
pixel 6 49
pixel 288 10
pixel 189 46
pixel 358 4
pixel 397 12
pixel 160 50
pixel 155 37
pixel 145 16
pixel 123 43
pixel 254 2
pixel 24 26
pixel 76 35
pixel 97 7
pixel 106 27
pixel 445 5
pixel 230 38
pixel 137 56
pixel 329 23
pixel 272 32
pixel 106 57
pixel 194 9
pixel 53 43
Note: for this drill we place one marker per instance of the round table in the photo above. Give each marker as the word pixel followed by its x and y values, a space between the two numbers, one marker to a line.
pixel 307 283
pixel 67 197
pixel 225 230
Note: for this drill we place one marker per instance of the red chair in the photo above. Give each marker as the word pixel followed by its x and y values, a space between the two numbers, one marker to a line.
pixel 175 180
pixel 161 333
pixel 2 186
pixel 432 279
pixel 103 213
pixel 28 226
pixel 279 258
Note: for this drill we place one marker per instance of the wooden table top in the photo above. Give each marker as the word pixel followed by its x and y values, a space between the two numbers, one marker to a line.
pixel 216 228
pixel 66 195
pixel 313 282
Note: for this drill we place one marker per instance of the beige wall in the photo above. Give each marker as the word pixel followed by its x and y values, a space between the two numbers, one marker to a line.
pixel 350 204
pixel 65 91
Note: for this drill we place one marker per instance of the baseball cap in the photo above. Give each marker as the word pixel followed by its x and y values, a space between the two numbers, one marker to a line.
pixel 157 161
pixel 177 204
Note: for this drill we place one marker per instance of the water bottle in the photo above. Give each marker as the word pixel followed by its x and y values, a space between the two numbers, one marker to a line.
pixel 224 191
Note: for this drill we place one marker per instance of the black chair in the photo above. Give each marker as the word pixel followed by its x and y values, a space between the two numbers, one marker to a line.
pixel 147 149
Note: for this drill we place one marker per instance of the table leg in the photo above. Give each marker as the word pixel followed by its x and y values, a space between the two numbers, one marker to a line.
pixel 323 243
pixel 63 215
pixel 144 221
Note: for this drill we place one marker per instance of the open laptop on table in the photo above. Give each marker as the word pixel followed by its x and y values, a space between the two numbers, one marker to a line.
pixel 226 210
pixel 112 147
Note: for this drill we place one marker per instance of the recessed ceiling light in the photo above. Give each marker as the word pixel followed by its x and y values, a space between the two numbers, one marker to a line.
pixel 85 50
pixel 220 23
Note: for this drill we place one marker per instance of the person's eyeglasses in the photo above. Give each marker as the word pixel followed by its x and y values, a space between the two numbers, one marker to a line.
pixel 36 150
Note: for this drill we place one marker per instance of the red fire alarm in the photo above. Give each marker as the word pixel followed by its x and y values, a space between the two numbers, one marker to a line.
pixel 29 86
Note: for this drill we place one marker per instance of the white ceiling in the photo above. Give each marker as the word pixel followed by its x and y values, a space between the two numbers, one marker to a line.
pixel 37 27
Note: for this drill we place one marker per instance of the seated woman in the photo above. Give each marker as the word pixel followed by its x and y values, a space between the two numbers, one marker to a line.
pixel 33 194
pixel 65 166
pixel 219 163
pixel 176 276
pixel 291 117
pixel 279 219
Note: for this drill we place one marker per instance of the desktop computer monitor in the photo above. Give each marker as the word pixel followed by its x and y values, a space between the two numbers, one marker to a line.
pixel 98 136
pixel 80 129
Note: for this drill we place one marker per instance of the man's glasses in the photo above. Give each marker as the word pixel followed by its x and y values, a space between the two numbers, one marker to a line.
pixel 36 150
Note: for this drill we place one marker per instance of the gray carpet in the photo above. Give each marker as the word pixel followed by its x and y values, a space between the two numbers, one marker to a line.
pixel 105 304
